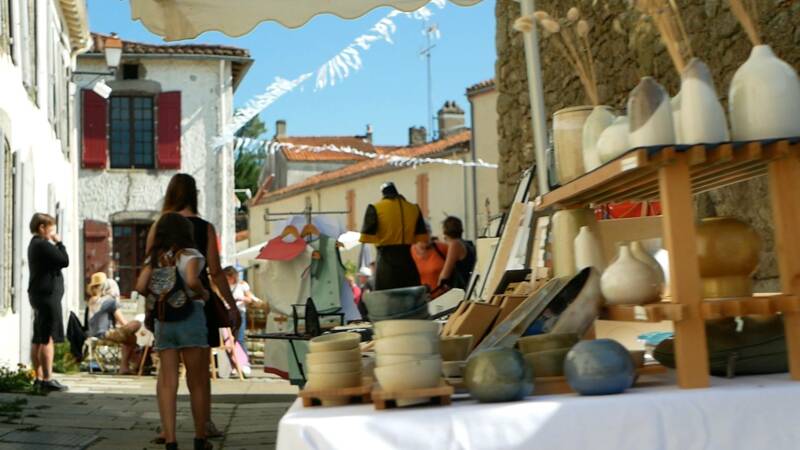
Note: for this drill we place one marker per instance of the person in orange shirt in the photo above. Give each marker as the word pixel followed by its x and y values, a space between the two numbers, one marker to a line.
pixel 429 258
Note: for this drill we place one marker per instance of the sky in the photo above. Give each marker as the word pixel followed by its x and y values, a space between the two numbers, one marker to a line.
pixel 389 92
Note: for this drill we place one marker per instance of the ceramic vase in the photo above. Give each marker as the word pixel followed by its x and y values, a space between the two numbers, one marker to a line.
pixel 675 103
pixel 568 141
pixel 613 141
pixel 650 115
pixel 727 250
pixel 601 118
pixel 638 252
pixel 764 98
pixel 588 252
pixel 498 375
pixel 599 367
pixel 701 118
pixel 565 227
pixel 629 281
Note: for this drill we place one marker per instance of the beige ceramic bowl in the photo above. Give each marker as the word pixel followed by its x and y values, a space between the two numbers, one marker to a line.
pixel 453 369
pixel 354 354
pixel 337 367
pixel 455 348
pixel 390 360
pixel 333 380
pixel 334 342
pixel 408 345
pixel 388 328
pixel 411 375
pixel 549 341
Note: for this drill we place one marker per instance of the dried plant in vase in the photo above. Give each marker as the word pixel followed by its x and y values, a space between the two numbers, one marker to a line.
pixel 667 18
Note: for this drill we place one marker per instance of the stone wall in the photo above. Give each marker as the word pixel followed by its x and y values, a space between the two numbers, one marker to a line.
pixel 626 48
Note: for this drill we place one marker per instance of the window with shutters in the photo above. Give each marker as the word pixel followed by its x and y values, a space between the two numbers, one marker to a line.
pixel 29 49
pixel 6 28
pixel 351 210
pixel 129 246
pixel 7 214
pixel 132 136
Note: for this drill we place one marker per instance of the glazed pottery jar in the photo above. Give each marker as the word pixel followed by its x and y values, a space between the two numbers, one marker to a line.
pixel 702 119
pixel 641 254
pixel 601 118
pixel 613 141
pixel 565 227
pixel 727 250
pixel 588 252
pixel 599 367
pixel 629 281
pixel 650 115
pixel 498 375
pixel 764 98
pixel 568 141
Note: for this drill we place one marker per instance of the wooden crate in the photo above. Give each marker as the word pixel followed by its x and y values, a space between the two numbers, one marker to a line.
pixel 439 395
pixel 358 394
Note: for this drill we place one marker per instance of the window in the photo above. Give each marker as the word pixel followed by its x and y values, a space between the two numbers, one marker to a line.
pixel 351 210
pixel 422 194
pixel 7 252
pixel 132 136
pixel 30 56
pixel 130 240
pixel 130 71
pixel 6 28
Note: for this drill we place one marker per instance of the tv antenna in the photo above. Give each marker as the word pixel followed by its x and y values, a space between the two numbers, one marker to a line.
pixel 431 32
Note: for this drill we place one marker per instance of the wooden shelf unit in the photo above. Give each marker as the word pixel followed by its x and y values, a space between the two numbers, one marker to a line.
pixel 673 175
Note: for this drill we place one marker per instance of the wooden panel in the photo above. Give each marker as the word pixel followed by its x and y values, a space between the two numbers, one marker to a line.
pixel 504 248
pixel 655 312
pixel 617 230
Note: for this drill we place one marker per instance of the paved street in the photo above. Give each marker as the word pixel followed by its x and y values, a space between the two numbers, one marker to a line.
pixel 120 412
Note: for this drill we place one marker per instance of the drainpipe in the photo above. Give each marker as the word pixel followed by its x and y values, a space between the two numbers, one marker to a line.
pixel 474 152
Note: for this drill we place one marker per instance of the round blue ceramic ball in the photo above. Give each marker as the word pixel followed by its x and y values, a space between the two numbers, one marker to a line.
pixel 498 375
pixel 599 367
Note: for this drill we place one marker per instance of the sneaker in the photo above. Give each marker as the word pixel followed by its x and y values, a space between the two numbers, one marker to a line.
pixel 53 386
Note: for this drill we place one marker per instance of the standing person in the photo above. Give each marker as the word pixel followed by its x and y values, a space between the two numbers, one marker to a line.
pixel 460 255
pixel 244 297
pixel 429 257
pixel 181 198
pixel 102 312
pixel 185 339
pixel 46 257
pixel 393 224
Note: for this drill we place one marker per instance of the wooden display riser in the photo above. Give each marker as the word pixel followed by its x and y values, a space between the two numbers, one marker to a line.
pixel 559 385
pixel 717 308
pixel 440 395
pixel 358 394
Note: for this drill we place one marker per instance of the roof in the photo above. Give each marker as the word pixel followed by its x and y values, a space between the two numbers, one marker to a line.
pixel 77 22
pixel 239 56
pixel 357 142
pixel 454 143
pixel 483 86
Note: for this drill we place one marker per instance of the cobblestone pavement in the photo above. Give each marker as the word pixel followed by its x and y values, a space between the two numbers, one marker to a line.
pixel 108 412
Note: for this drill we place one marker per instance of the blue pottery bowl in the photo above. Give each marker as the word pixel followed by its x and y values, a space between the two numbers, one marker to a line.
pixel 498 375
pixel 599 367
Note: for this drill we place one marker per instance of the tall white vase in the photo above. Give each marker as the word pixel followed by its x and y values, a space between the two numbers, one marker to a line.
pixel 613 141
pixel 629 281
pixel 588 252
pixel 601 118
pixel 702 119
pixel 650 115
pixel 675 103
pixel 566 225
pixel 638 252
pixel 764 98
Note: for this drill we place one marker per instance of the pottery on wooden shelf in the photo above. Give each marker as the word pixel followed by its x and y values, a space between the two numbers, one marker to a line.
pixel 565 227
pixel 498 375
pixel 588 251
pixel 599 367
pixel 568 141
pixel 675 104
pixel 702 119
pixel 638 252
pixel 584 309
pixel 547 363
pixel 764 98
pixel 629 281
pixel 547 341
pixel 601 118
pixel 650 115
pixel 614 140
pixel 727 250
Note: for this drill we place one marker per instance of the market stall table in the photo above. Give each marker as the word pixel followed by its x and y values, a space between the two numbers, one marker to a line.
pixel 745 413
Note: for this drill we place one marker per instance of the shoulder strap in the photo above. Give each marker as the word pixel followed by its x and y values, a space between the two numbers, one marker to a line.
pixel 439 251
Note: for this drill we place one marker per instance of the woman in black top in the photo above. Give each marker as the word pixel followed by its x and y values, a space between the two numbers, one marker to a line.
pixel 46 257
pixel 460 259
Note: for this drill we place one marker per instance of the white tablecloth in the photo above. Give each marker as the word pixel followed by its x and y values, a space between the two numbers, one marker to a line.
pixel 747 413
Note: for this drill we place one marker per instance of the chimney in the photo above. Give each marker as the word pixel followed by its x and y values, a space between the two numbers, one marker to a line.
pixel 451 119
pixel 417 136
pixel 368 136
pixel 280 129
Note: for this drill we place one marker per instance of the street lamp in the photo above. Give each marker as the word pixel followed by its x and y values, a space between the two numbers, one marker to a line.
pixel 112 49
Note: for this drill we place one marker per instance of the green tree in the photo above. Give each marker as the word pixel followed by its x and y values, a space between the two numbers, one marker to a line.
pixel 249 159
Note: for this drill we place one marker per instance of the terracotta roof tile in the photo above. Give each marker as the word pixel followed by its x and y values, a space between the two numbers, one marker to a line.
pixel 369 166
pixel 131 47
pixel 483 85
pixel 357 142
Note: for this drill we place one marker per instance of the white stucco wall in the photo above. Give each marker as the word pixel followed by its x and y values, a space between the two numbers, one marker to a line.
pixel 206 105
pixel 484 135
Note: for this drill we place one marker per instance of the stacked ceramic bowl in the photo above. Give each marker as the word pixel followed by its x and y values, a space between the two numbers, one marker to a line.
pixel 395 304
pixel 545 353
pixel 334 362
pixel 407 356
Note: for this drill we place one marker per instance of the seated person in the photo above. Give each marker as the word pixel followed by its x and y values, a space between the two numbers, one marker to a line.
pixel 102 312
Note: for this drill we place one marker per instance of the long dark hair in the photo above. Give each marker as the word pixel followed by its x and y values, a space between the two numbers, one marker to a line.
pixel 181 194
pixel 173 232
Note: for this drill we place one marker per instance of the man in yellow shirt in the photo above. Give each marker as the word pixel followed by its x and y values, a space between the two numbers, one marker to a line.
pixel 393 224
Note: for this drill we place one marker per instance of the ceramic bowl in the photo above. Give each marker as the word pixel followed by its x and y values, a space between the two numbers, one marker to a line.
pixel 498 375
pixel 389 328
pixel 354 354
pixel 334 342
pixel 547 363
pixel 340 367
pixel 383 360
pixel 392 302
pixel 455 348
pixel 599 367
pixel 548 341
pixel 410 375
pixel 333 380
pixel 453 369
pixel 407 345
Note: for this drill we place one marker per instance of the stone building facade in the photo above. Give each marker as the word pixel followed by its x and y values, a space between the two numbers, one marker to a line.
pixel 627 47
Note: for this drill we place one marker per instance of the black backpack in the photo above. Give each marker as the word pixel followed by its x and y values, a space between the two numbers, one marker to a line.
pixel 167 299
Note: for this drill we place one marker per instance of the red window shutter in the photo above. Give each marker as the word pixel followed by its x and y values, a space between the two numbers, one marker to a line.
pixel 169 130
pixel 96 248
pixel 422 193
pixel 351 210
pixel 95 140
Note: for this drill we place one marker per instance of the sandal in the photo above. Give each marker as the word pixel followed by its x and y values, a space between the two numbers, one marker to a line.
pixel 158 440
pixel 202 444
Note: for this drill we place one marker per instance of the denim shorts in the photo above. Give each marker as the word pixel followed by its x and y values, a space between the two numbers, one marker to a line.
pixel 190 332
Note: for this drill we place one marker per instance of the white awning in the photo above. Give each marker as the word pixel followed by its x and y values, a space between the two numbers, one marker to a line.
pixel 245 257
pixel 186 19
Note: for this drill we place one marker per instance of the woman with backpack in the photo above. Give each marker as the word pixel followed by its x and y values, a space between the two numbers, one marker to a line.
pixel 460 255
pixel 175 300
